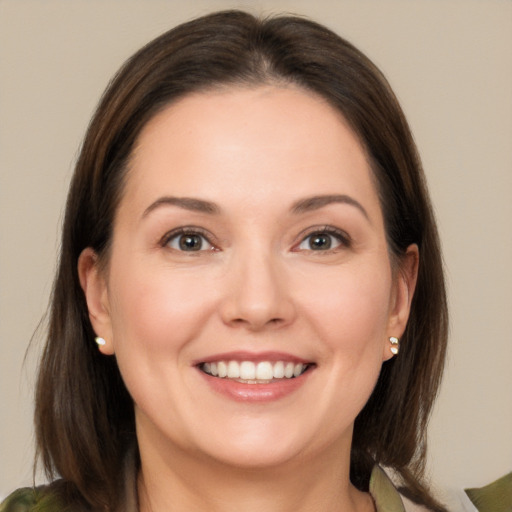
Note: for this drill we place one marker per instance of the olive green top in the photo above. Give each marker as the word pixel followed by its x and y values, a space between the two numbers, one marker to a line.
pixel 496 497
pixel 41 499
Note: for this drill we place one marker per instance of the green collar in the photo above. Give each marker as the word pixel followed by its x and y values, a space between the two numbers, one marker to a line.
pixel 384 493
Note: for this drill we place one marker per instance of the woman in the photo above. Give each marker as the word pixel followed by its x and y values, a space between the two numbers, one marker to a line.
pixel 249 240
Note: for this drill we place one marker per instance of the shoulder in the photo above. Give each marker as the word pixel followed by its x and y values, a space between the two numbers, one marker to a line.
pixel 20 500
pixel 30 499
pixel 495 497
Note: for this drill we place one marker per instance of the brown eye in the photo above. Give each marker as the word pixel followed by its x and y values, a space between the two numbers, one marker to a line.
pixel 188 242
pixel 320 242
pixel 324 240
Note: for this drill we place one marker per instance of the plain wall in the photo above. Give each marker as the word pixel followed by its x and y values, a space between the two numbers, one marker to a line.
pixel 450 63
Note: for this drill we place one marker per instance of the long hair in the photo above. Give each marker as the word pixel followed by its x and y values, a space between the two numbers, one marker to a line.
pixel 84 414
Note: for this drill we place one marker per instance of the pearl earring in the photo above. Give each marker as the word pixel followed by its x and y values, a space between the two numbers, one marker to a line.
pixel 395 345
pixel 100 341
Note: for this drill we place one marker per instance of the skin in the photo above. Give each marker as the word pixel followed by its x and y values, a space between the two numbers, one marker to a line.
pixel 257 284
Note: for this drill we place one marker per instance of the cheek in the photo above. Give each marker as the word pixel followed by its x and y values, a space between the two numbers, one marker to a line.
pixel 156 309
pixel 351 308
pixel 357 319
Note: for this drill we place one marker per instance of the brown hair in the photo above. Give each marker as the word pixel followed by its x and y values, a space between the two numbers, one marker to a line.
pixel 84 414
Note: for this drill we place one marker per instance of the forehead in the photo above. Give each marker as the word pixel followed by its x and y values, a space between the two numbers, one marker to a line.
pixel 279 116
pixel 252 140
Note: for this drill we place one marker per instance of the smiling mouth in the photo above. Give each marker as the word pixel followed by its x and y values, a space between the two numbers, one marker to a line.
pixel 249 372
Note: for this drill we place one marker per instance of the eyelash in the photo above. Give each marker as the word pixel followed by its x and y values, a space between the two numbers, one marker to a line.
pixel 341 236
pixel 187 231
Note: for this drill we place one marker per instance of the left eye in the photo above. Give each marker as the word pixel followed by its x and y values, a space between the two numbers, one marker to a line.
pixel 320 241
pixel 189 242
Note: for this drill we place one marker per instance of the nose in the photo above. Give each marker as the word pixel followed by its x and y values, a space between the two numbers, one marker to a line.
pixel 257 294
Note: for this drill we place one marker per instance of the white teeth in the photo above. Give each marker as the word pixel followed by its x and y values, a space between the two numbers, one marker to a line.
pixel 279 370
pixel 253 373
pixel 298 370
pixel 264 371
pixel 247 370
pixel 233 370
pixel 222 369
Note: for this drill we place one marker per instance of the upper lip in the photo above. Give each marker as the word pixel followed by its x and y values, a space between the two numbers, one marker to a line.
pixel 255 357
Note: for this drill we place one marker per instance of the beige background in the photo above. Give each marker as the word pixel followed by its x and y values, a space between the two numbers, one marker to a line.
pixel 450 63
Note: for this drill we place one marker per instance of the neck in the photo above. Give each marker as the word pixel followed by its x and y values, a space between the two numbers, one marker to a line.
pixel 174 480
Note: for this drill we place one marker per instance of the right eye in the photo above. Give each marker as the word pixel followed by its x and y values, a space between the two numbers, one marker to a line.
pixel 188 241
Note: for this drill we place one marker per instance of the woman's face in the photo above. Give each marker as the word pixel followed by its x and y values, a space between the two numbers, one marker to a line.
pixel 249 241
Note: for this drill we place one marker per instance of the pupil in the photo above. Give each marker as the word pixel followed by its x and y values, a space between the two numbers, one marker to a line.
pixel 320 242
pixel 190 242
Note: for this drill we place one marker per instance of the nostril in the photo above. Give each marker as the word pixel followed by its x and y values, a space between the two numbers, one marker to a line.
pixel 256 324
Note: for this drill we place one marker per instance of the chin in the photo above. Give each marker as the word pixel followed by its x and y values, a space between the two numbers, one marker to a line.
pixel 255 457
pixel 266 444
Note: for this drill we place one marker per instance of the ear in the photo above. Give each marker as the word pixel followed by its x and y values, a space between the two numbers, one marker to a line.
pixel 403 292
pixel 94 285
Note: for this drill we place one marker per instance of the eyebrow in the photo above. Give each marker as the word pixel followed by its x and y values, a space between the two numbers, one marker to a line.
pixel 316 202
pixel 187 203
pixel 301 206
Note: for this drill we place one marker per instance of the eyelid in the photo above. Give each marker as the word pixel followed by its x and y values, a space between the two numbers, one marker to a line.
pixel 337 233
pixel 188 230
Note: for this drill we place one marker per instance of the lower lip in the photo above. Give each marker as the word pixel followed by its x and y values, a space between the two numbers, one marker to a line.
pixel 268 392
